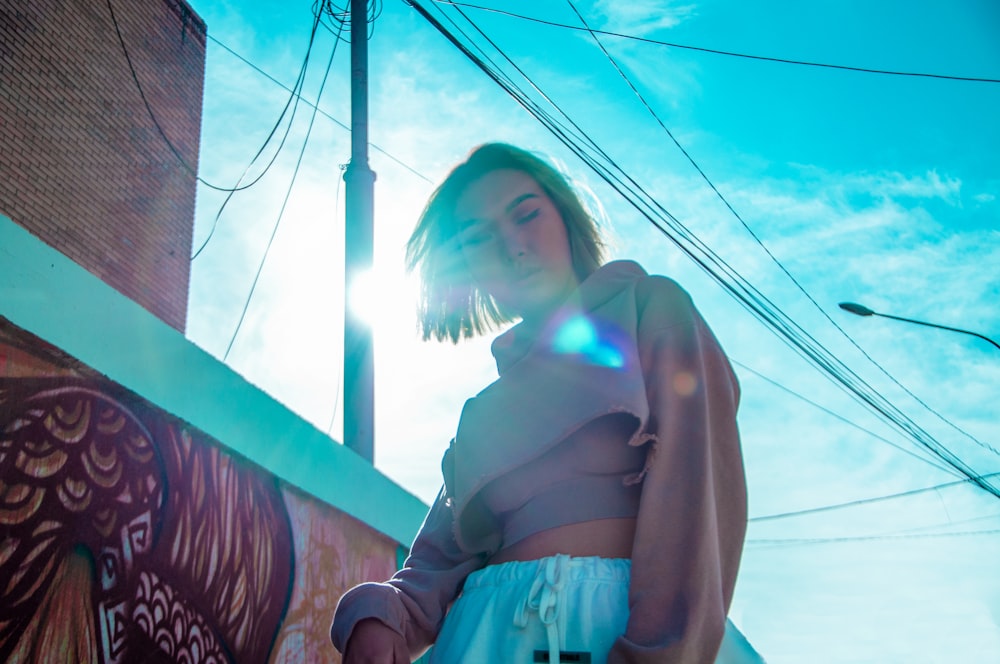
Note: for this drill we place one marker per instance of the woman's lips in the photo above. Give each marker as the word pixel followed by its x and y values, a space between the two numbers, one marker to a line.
pixel 524 275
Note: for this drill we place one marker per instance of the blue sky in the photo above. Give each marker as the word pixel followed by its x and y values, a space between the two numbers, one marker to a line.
pixel 872 188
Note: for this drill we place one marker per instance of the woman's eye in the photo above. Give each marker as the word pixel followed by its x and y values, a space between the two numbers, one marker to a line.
pixel 476 239
pixel 525 218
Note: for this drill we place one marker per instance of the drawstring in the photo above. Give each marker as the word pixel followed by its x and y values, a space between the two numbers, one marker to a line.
pixel 543 599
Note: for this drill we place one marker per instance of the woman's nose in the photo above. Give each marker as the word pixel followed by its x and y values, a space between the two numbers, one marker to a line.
pixel 513 244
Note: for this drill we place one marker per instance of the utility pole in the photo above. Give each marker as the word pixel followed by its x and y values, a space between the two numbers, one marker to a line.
pixel 359 364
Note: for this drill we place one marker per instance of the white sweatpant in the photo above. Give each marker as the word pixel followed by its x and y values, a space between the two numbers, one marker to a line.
pixel 556 609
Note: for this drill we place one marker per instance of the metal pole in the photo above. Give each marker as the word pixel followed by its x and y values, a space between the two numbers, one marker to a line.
pixel 359 365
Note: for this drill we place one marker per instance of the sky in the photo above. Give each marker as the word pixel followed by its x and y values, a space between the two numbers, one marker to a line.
pixel 844 186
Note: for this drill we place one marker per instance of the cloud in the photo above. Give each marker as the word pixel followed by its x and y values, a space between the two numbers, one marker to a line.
pixel 929 185
pixel 641 17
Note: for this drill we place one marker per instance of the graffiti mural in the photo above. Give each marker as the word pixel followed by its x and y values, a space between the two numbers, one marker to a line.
pixel 124 538
pixel 333 553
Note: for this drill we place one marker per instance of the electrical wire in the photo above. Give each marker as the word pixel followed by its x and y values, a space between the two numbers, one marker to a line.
pixel 931 444
pixel 320 9
pixel 293 103
pixel 744 292
pixel 938 530
pixel 340 16
pixel 340 374
pixel 152 116
pixel 930 460
pixel 239 186
pixel 756 238
pixel 288 193
pixel 786 61
pixel 865 501
pixel 322 112
pixel 863 538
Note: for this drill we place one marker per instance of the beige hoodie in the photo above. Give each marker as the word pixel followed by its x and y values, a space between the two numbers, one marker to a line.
pixel 625 342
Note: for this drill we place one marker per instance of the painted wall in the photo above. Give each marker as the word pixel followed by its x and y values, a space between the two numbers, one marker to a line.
pixel 83 164
pixel 130 536
pixel 127 529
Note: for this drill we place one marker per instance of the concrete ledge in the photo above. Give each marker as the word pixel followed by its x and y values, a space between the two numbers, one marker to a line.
pixel 50 296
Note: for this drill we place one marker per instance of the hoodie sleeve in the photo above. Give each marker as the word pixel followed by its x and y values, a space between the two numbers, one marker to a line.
pixel 414 601
pixel 692 514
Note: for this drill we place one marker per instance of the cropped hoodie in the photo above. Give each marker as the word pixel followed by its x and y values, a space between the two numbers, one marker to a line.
pixel 624 342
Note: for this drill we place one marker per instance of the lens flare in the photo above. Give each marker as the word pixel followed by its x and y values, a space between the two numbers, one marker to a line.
pixel 597 344
pixel 685 383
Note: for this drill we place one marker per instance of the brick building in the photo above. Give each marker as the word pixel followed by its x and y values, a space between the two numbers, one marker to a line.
pixel 84 166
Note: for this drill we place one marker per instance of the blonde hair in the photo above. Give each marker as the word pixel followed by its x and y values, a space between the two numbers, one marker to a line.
pixel 451 306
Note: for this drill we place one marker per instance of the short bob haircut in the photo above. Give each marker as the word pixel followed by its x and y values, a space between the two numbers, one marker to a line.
pixel 451 306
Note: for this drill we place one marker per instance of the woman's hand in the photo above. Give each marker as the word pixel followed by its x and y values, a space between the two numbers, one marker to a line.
pixel 372 642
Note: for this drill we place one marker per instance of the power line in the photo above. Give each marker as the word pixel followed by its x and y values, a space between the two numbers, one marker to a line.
pixel 293 102
pixel 865 70
pixel 865 538
pixel 561 132
pixel 341 16
pixel 319 10
pixel 866 501
pixel 239 186
pixel 340 374
pixel 754 235
pixel 840 417
pixel 152 116
pixel 376 11
pixel 741 289
pixel 288 193
pixel 296 95
pixel 322 112
pixel 920 532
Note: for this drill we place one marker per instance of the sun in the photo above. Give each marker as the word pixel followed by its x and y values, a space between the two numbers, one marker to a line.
pixel 385 299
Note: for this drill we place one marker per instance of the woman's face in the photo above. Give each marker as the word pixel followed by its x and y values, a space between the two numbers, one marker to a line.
pixel 514 242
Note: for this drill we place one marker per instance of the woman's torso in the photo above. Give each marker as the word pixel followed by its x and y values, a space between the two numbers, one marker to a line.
pixel 583 477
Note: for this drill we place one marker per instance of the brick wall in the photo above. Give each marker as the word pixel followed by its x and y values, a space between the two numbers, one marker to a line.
pixel 82 165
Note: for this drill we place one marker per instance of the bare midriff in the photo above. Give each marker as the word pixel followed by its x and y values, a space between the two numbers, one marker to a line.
pixel 606 538
pixel 583 452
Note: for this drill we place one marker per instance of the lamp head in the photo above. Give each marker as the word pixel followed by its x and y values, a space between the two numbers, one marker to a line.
pixel 858 309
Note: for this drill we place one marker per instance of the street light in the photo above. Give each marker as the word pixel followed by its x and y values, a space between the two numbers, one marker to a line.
pixel 862 310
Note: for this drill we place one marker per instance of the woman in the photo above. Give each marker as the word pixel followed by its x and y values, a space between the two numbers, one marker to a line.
pixel 594 504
